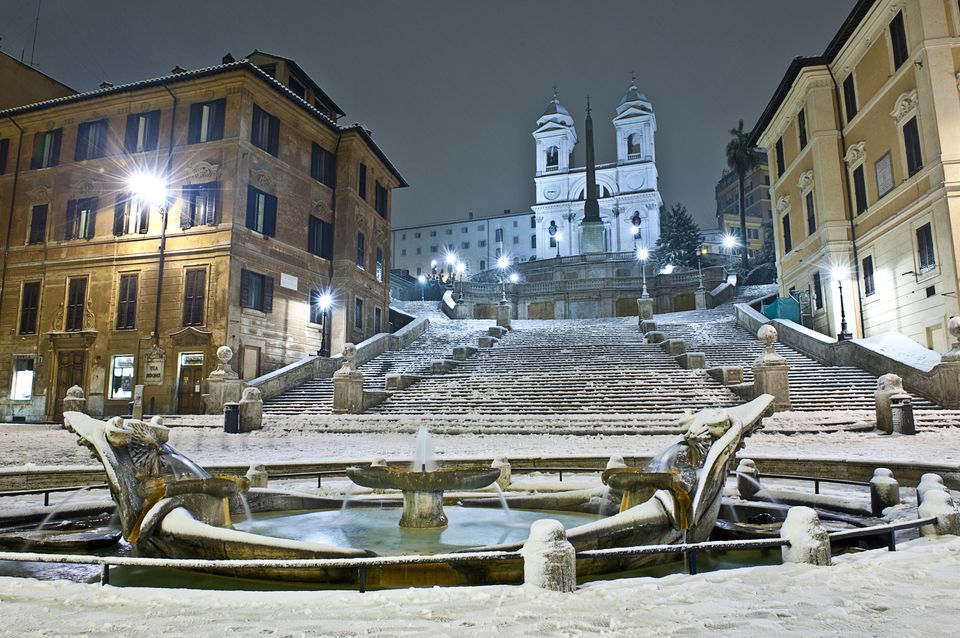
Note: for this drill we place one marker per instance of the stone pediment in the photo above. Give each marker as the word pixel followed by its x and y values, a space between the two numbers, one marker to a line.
pixel 70 340
pixel 191 336
pixel 633 112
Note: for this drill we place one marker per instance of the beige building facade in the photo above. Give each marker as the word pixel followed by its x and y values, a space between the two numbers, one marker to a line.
pixel 863 144
pixel 756 195
pixel 268 204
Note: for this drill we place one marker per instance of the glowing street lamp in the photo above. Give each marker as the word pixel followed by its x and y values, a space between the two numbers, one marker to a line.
pixel 700 252
pixel 503 262
pixel 839 273
pixel 460 268
pixel 555 235
pixel 324 304
pixel 514 277
pixel 152 189
pixel 635 223
pixel 729 243
pixel 643 255
pixel 423 282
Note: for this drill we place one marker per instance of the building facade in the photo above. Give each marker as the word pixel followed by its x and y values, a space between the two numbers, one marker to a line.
pixel 151 223
pixel 22 84
pixel 864 146
pixel 756 188
pixel 626 189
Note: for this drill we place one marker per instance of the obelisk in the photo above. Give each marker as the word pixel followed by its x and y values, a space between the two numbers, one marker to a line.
pixel 591 228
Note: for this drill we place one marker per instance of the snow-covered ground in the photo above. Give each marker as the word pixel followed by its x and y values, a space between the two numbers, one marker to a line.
pixel 911 592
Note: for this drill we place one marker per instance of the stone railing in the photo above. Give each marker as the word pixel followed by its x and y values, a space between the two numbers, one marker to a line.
pixel 940 384
pixel 279 381
pixel 711 276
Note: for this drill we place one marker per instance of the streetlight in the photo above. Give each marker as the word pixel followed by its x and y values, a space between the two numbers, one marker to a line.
pixel 325 303
pixel 839 273
pixel 635 223
pixel 451 260
pixel 700 251
pixel 730 242
pixel 643 254
pixel 555 235
pixel 423 282
pixel 503 262
pixel 461 267
pixel 152 189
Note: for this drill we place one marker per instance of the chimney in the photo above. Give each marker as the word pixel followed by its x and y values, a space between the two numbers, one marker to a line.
pixel 177 70
pixel 506 211
pixel 227 59
pixel 470 215
pixel 106 85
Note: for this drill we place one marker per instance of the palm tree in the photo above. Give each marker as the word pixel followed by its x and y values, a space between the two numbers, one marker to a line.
pixel 741 157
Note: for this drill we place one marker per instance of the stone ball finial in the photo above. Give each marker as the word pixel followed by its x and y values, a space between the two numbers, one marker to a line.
pixel 75 392
pixel 224 354
pixel 953 327
pixel 767 334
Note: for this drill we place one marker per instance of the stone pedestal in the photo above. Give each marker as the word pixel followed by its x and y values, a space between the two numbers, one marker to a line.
pixel 487 342
pixel 257 476
pixel 592 237
pixel 654 336
pixel 700 299
pixel 423 510
pixel 75 401
pixel 648 325
pixel 809 541
pixel 223 385
pixel 503 315
pixel 644 310
pixel 770 371
pixel 692 360
pixel 251 410
pixel 347 392
pixel 674 346
pixel 884 491
pixel 549 560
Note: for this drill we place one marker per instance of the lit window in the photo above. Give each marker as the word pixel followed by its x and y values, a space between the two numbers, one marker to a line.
pixel 22 389
pixel 121 376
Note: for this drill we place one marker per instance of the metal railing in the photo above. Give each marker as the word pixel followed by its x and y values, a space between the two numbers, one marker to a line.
pixel 689 550
pixel 815 479
pixel 889 530
pixel 47 491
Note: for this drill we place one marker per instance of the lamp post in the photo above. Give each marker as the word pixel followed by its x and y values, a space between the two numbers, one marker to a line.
pixel 702 250
pixel 325 303
pixel 643 254
pixel 555 235
pixel 423 282
pixel 451 260
pixel 460 268
pixel 635 222
pixel 503 262
pixel 729 243
pixel 152 190
pixel 839 274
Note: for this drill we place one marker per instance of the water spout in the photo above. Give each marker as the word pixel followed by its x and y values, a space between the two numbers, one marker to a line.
pixel 423 452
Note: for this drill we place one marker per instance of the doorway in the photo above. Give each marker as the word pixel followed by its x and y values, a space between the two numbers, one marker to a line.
pixel 189 383
pixel 70 366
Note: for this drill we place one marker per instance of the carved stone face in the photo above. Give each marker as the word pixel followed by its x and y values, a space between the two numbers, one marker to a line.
pixel 349 352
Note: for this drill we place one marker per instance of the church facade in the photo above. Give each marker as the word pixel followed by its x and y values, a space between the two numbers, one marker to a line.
pixel 627 190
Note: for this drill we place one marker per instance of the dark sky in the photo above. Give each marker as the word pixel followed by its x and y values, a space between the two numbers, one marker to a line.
pixel 451 90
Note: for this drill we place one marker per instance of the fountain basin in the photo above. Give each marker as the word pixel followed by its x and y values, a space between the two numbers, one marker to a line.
pixel 639 485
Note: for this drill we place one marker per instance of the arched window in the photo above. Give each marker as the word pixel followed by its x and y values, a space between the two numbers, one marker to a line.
pixel 553 158
pixel 633 146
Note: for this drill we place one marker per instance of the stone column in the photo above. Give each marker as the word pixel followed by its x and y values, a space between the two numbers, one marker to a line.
pixel 809 541
pixel 771 373
pixel 948 370
pixel 348 384
pixel 75 401
pixel 549 560
pixel 223 385
pixel 700 299
pixel 884 491
pixel 251 410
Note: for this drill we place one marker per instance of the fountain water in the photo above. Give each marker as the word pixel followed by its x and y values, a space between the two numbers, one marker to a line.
pixel 423 452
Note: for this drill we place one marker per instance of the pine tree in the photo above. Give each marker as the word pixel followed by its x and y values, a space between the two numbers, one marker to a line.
pixel 680 239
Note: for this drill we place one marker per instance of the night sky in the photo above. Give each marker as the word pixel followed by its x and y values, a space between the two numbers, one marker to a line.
pixel 451 90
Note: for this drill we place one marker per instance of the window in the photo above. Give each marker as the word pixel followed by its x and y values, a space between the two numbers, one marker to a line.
pixel 91 140
pixel 416 235
pixel 143 132
pixel 403 252
pixel 316 314
pixel 859 189
pixel 199 205
pixel 130 215
pixel 514 223
pixel 817 291
pixel 121 376
pixel 358 313
pixel 76 299
pixel 533 221
pixel 884 172
pixel 553 242
pixel 464 229
pixel 22 388
pixel 849 97
pixel 925 248
pixel 498 235
pixel 418 250
pixel 362 181
pixel 448 231
pixel 433 249
pixel 464 245
pixel 361 250
pixel 898 40
pixel 483 264
pixel 802 127
pixel 265 131
pixel 323 165
pixel 206 121
pixel 297 87
pixel 29 308
pixel 379 264
pixel 4 150
pixel 256 291
pixel 127 302
pixel 868 285
pixel 553 158
pixel 787 240
pixel 482 243
pixel 320 238
pixel 381 199
pixel 533 241
pixel 46 149
pixel 194 295
pixel 811 214
pixel 81 218
pixel 377 320
pixel 516 240
pixel 261 212
pixel 911 143
pixel 753 233
pixel 481 227
pixel 433 233
pixel 38 224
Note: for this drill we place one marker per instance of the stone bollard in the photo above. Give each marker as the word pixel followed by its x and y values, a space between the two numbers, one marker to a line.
pixel 648 325
pixel 503 465
pixel 257 475
pixel 809 541
pixel 655 336
pixel 888 386
pixel 884 491
pixel 939 503
pixel 348 384
pixel 74 401
pixel 549 560
pixel 748 479
pixel 929 482
pixel 771 373
pixel 251 410
pixel 503 316
pixel 644 310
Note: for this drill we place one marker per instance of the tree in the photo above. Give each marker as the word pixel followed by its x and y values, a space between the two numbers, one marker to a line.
pixel 680 238
pixel 741 157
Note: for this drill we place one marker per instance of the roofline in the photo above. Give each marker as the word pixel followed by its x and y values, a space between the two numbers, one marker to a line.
pixel 829 54
pixel 466 221
pixel 239 65
pixel 316 88
pixel 39 72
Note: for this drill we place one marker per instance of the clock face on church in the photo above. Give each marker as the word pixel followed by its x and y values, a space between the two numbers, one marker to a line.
pixel 551 192
pixel 635 181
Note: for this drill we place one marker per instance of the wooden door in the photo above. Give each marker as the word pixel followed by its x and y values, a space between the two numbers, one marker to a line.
pixel 188 390
pixel 69 374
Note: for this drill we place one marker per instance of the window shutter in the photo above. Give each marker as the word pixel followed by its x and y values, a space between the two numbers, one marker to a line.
pixel 274 140
pixel 270 217
pixel 144 220
pixel 327 230
pixel 257 124
pixel 4 149
pixel 83 136
pixel 103 127
pixel 193 135
pixel 153 130
pixel 330 169
pixel 244 288
pixel 211 195
pixel 130 135
pixel 199 295
pixel 55 151
pixel 268 294
pixel 36 157
pixel 187 206
pixel 69 228
pixel 251 207
pixel 119 214
pixel 92 226
pixel 38 224
pixel 219 113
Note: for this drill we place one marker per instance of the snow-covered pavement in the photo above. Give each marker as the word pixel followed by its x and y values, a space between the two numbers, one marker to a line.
pixel 911 592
